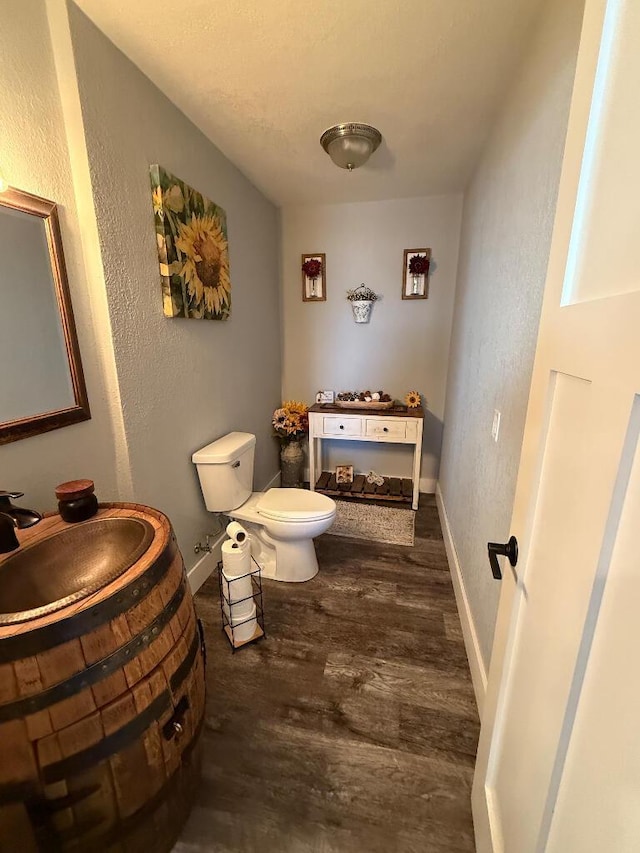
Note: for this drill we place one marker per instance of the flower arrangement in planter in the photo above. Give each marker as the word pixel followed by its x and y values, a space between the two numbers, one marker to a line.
pixel 290 424
pixel 291 421
pixel 361 299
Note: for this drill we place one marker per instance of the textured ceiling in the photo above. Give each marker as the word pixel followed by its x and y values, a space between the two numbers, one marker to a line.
pixel 263 78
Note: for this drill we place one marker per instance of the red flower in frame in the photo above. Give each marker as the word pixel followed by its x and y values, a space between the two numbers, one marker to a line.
pixel 312 268
pixel 419 265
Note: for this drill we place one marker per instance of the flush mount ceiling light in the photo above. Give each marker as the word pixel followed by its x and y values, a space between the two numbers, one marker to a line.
pixel 350 145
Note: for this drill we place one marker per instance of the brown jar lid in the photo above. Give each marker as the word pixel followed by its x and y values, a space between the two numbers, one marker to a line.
pixel 75 489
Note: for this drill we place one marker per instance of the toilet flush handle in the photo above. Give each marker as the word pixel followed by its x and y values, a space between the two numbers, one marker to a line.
pixel 236 464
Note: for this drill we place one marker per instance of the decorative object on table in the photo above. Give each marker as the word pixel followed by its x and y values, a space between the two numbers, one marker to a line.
pixel 372 477
pixel 344 474
pixel 240 583
pixel 415 273
pixel 361 299
pixel 377 400
pixel 191 232
pixel 351 144
pixel 412 399
pixel 291 424
pixel 390 524
pixel 325 397
pixel 314 282
pixel 76 500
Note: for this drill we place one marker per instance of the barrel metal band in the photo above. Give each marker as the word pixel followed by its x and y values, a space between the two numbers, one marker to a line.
pixel 109 745
pixel 39 640
pixel 124 736
pixel 98 670
pixel 133 821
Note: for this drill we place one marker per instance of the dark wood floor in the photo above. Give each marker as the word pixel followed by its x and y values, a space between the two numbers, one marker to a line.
pixel 353 727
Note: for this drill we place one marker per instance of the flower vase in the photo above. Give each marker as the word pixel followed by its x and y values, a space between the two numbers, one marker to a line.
pixel 291 462
pixel 361 310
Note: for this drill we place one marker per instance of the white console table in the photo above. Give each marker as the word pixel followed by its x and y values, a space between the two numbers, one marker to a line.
pixel 391 425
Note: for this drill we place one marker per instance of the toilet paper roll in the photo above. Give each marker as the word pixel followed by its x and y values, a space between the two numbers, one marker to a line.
pixel 236 559
pixel 236 562
pixel 246 630
pixel 237 533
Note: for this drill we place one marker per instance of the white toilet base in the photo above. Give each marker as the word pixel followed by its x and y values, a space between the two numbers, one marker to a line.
pixel 283 549
pixel 288 561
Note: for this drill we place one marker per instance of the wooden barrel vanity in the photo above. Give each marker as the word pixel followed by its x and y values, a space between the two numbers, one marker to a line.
pixel 102 705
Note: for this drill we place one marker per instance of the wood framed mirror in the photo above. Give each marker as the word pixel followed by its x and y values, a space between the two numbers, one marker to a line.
pixel 42 385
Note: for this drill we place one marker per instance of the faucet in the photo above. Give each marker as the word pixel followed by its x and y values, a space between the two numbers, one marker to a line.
pixel 21 516
pixel 8 538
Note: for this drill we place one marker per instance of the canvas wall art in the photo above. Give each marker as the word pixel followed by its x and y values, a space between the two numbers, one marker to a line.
pixel 191 232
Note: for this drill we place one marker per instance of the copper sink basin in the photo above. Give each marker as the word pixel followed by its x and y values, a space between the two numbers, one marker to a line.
pixel 68 566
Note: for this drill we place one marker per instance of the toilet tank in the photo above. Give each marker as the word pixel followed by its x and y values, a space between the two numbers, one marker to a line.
pixel 225 469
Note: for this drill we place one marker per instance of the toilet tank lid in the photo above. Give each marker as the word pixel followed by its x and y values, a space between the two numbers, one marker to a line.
pixel 225 449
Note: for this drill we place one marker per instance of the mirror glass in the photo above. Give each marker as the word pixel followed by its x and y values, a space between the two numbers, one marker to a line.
pixel 41 383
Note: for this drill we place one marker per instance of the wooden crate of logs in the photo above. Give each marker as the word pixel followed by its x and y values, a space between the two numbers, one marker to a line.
pixel 101 709
pixel 392 489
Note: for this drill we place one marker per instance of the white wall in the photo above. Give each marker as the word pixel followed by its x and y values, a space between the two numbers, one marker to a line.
pixel 406 344
pixel 183 382
pixel 34 156
pixel 507 223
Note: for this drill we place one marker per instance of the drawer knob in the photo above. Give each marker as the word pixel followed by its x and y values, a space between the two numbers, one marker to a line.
pixel 341 426
pixel 385 429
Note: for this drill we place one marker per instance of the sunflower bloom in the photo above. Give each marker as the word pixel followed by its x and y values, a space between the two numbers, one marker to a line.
pixel 206 263
pixel 156 196
pixel 412 399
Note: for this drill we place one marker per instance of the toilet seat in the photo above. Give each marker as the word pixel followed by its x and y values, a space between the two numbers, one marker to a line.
pixel 295 505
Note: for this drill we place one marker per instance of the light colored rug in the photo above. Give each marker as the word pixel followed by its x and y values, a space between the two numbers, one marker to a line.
pixel 394 525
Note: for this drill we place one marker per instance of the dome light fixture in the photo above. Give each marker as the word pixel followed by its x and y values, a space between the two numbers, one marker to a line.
pixel 350 145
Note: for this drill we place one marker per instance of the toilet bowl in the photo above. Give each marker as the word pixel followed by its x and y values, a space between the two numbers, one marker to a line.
pixel 281 523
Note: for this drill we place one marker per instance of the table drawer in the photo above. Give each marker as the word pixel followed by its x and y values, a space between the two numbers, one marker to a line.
pixel 386 428
pixel 341 426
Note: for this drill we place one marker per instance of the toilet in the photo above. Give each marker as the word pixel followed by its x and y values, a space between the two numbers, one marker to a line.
pixel 281 523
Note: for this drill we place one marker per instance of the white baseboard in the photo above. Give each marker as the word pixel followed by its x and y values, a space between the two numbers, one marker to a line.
pixel 428 485
pixel 471 643
pixel 206 565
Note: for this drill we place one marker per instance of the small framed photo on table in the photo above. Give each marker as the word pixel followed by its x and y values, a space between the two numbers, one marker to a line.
pixel 314 282
pixel 415 273
pixel 344 475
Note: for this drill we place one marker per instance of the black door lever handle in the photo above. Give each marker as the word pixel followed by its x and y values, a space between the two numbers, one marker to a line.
pixel 508 550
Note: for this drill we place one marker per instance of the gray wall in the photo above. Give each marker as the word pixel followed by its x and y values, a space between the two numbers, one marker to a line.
pixel 34 156
pixel 405 346
pixel 506 231
pixel 183 382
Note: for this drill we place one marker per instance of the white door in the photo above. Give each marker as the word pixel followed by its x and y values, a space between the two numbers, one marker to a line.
pixel 559 755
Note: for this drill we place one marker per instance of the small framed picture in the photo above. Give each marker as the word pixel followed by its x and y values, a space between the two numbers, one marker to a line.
pixel 415 273
pixel 325 397
pixel 314 281
pixel 344 474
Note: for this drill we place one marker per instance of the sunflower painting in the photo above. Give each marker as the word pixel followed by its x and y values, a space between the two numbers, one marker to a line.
pixel 191 233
